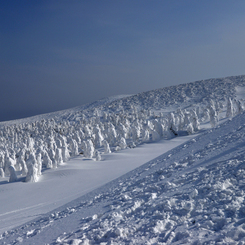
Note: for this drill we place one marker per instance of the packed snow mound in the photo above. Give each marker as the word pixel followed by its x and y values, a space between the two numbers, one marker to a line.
pixel 193 194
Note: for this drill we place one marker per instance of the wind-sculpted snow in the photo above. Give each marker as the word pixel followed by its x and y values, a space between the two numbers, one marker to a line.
pixel 193 194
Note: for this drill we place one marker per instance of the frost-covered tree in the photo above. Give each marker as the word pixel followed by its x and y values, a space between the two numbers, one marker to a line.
pixel 30 143
pixel 181 121
pixel 22 163
pixel 51 154
pixel 97 155
pixel 106 147
pixel 46 160
pixel 32 174
pixel 135 133
pixel 194 120
pixel 13 176
pixel 145 134
pixel 89 149
pixel 39 164
pixel 172 122
pixel 122 143
pixel 213 116
pixel 230 108
pixel 123 131
pixel 190 128
pixel 239 106
pixel 88 131
pixel 74 148
pixel 111 133
pixel 8 162
pixel 155 135
pixel 65 153
pixel 2 173
pixel 81 134
pixel 77 138
pixel 98 139
pixel 2 159
pixel 58 156
pixel 157 126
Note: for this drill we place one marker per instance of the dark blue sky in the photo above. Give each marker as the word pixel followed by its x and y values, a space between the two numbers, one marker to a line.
pixel 60 54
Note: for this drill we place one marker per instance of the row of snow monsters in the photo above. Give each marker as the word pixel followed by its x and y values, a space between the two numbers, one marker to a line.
pixel 28 148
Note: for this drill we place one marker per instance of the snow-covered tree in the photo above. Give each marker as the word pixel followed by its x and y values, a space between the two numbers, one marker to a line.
pixel 213 116
pixel 230 108
pixel 145 134
pixel 65 153
pixel 181 121
pixel 194 120
pixel 13 176
pixel 97 156
pixel 106 147
pixel 135 132
pixel 122 143
pixel 58 156
pixel 22 163
pixel 98 139
pixel 239 107
pixel 39 164
pixel 89 149
pixel 32 174
pixel 8 162
pixel 111 133
pixel 2 173
pixel 46 160
pixel 74 148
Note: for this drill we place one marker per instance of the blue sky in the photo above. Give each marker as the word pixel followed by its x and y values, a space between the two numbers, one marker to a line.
pixel 60 54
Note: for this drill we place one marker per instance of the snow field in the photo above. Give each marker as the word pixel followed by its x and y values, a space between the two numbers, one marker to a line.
pixel 192 194
pixel 69 181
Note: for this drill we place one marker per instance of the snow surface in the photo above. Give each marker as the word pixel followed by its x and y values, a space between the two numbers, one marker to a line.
pixel 78 177
pixel 184 190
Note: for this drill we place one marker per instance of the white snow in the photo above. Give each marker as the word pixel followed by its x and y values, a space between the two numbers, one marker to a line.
pixel 69 181
pixel 187 189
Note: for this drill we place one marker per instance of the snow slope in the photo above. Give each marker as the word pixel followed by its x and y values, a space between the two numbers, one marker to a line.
pixel 78 177
pixel 184 190
pixel 192 194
